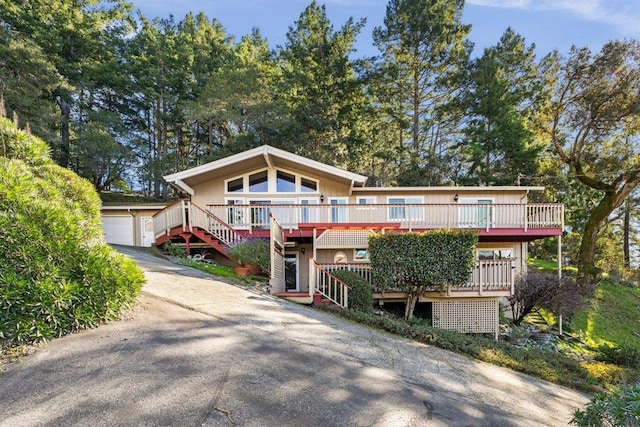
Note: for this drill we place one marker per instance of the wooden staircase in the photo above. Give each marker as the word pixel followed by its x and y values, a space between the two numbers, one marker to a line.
pixel 186 220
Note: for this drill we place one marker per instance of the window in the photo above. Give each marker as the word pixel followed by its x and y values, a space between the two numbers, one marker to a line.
pixel 491 254
pixel 258 182
pixel 271 180
pixel 338 214
pixel 361 255
pixel 476 214
pixel 235 185
pixel 366 200
pixel 308 186
pixel 235 213
pixel 285 182
pixel 308 214
pixel 403 212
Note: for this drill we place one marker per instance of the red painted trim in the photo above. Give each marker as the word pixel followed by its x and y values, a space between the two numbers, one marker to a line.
pixel 350 225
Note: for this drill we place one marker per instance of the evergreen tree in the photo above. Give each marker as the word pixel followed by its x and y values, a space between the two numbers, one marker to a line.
pixel 320 88
pixel 504 92
pixel 424 51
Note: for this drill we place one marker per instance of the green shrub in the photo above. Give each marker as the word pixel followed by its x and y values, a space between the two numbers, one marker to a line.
pixel 361 294
pixel 173 249
pixel 623 355
pixel 618 408
pixel 56 274
pixel 415 262
pixel 252 251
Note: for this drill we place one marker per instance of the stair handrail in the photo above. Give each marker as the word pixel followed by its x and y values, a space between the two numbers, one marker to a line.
pixel 222 231
pixel 331 293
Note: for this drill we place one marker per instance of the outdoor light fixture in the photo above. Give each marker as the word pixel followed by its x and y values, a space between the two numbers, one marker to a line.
pixel 322 198
pixel 302 251
pixel 455 198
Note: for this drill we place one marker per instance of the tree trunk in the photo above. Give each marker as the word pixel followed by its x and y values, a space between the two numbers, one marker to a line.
pixel 412 298
pixel 588 274
pixel 627 234
pixel 65 112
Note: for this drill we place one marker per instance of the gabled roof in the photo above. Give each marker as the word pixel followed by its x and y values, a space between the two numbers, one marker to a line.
pixel 263 156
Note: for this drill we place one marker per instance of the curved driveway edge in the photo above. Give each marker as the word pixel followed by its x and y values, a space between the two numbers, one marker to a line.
pixel 201 352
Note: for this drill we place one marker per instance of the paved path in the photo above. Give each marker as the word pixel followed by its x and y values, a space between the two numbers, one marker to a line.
pixel 199 352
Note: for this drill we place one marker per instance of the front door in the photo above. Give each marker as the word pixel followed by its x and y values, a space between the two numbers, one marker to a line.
pixel 148 237
pixel 291 271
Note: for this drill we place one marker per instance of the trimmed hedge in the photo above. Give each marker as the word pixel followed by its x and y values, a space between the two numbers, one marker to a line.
pixel 57 275
pixel 432 259
pixel 361 294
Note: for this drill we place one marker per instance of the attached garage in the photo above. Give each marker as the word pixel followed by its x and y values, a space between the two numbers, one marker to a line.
pixel 118 230
pixel 129 225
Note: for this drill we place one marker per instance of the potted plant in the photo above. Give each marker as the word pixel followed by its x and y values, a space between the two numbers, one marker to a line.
pixel 251 254
pixel 542 336
pixel 518 335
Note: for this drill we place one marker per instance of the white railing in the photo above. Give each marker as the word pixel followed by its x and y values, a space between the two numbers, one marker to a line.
pixel 187 215
pixel 406 216
pixel 170 217
pixel 328 285
pixel 487 275
pixel 207 221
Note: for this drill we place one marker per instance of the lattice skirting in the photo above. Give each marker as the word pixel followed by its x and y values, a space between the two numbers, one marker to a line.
pixel 343 239
pixel 479 315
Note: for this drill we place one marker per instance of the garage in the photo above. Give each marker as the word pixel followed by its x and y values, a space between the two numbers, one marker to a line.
pixel 118 230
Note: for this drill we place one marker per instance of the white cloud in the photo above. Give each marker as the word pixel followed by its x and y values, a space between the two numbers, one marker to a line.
pixel 624 14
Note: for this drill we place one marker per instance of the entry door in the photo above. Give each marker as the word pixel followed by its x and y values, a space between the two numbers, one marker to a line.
pixel 148 237
pixel 291 271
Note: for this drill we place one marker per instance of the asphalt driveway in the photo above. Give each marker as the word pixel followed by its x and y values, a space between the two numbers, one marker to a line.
pixel 200 352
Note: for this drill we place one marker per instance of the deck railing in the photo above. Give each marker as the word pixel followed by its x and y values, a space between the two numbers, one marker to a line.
pixel 187 215
pixel 487 276
pixel 405 216
pixel 172 216
pixel 328 285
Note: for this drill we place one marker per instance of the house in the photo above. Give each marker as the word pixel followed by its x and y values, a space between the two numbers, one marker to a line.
pixel 318 218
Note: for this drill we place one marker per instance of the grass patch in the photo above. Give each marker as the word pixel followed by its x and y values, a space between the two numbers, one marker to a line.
pixel 612 317
pixel 218 270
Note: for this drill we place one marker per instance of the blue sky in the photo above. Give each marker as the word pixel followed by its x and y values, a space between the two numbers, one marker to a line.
pixel 550 24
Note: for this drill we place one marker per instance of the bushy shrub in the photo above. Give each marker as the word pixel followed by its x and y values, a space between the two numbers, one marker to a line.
pixel 545 290
pixel 360 294
pixel 56 274
pixel 623 355
pixel 252 251
pixel 414 262
pixel 618 408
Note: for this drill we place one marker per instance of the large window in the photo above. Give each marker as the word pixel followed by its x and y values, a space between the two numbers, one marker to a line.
pixel 259 182
pixel 337 213
pixel 285 182
pixel 475 213
pixel 407 209
pixel 271 181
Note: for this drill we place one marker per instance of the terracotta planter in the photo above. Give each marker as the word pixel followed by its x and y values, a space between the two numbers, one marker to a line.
pixel 253 269
pixel 241 270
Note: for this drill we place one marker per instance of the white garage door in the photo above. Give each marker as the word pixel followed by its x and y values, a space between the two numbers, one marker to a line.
pixel 118 230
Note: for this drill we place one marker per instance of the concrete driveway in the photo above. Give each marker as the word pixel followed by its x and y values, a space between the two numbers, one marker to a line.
pixel 200 352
